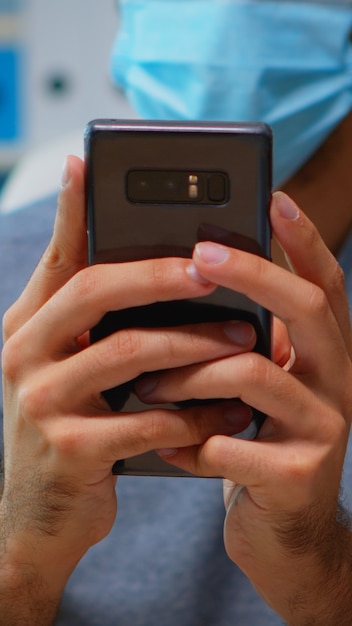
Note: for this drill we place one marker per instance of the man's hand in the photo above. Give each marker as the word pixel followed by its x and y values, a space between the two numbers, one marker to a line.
pixel 61 438
pixel 284 526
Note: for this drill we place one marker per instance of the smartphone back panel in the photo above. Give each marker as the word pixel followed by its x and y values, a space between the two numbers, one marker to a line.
pixel 154 190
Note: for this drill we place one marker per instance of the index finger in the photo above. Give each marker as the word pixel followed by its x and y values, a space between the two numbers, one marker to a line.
pixel 66 252
pixel 310 258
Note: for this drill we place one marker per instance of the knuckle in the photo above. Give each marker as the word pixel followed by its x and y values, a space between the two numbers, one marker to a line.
pixel 214 456
pixel 11 361
pixel 10 321
pixel 337 281
pixel 139 440
pixel 85 283
pixel 299 467
pixel 171 348
pixel 157 275
pixel 304 471
pixel 121 352
pixel 336 428
pixel 300 472
pixel 257 368
pixel 127 344
pixel 53 258
pixel 60 256
pixel 317 304
pixel 165 274
pixel 33 401
pixel 68 444
pixel 156 429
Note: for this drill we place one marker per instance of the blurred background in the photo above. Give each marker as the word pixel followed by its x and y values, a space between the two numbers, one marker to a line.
pixel 54 78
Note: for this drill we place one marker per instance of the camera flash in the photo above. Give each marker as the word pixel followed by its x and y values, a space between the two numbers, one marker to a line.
pixel 193 186
pixel 193 191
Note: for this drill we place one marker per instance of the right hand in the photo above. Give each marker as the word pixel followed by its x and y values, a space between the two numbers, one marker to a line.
pixel 61 438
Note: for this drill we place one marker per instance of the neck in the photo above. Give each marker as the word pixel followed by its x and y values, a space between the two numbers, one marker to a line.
pixel 323 188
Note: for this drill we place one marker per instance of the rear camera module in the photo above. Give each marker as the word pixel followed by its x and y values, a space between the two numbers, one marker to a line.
pixel 175 187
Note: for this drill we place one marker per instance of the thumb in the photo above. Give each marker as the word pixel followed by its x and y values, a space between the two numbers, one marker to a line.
pixel 66 252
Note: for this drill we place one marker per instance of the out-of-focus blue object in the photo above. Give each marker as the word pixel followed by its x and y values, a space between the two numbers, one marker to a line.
pixel 10 6
pixel 287 63
pixel 9 94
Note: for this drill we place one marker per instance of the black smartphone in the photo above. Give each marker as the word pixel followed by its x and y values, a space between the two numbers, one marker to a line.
pixel 154 189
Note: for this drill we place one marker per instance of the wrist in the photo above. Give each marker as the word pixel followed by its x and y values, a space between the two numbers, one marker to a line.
pixel 34 571
pixel 30 556
pixel 33 558
pixel 306 575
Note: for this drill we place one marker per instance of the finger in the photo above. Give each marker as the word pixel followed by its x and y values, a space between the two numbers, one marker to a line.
pixel 106 438
pixel 127 354
pixel 90 294
pixel 66 253
pixel 302 306
pixel 247 462
pixel 309 257
pixel 252 378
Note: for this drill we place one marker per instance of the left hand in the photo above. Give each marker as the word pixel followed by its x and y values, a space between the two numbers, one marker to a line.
pixel 283 528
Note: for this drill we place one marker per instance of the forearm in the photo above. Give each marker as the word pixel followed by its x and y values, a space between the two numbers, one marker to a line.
pixel 313 585
pixel 318 599
pixel 25 597
pixel 30 592
pixel 34 569
pixel 33 576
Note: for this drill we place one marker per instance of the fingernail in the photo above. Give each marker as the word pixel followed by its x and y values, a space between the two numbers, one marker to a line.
pixel 66 174
pixel 145 386
pixel 167 451
pixel 195 275
pixel 240 333
pixel 212 253
pixel 286 207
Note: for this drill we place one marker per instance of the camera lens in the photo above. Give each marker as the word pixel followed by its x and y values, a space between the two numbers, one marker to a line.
pixel 170 185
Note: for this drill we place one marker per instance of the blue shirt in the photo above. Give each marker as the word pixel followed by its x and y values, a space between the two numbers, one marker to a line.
pixel 164 562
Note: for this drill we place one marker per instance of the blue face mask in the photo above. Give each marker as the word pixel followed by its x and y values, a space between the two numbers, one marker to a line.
pixel 287 63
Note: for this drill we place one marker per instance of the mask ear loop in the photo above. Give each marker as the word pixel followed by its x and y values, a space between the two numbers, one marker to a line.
pixel 236 494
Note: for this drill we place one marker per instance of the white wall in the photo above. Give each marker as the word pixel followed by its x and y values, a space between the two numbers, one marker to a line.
pixel 70 39
pixel 61 39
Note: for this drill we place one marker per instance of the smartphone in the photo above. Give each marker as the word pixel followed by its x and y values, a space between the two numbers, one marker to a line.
pixel 154 189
